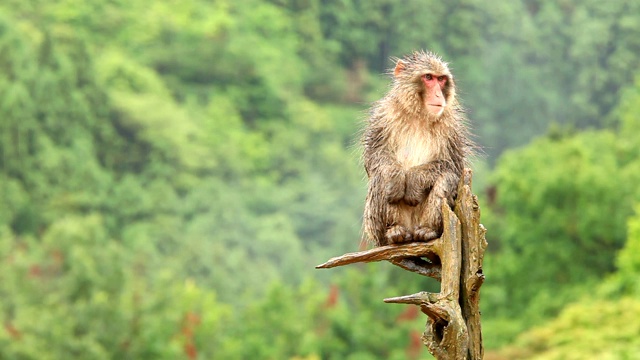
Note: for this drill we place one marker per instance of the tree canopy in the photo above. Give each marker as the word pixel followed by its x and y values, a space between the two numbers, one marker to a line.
pixel 171 172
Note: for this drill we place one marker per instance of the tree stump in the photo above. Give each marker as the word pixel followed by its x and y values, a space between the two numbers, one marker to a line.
pixel 455 259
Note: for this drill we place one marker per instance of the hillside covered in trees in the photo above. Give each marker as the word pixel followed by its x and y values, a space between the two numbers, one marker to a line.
pixel 172 171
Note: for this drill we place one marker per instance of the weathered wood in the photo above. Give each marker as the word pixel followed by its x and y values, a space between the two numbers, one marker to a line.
pixel 453 329
pixel 420 298
pixel 419 266
pixel 388 252
pixel 473 247
pixel 446 332
pixel 445 336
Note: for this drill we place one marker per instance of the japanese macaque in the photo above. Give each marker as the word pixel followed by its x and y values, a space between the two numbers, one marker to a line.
pixel 415 147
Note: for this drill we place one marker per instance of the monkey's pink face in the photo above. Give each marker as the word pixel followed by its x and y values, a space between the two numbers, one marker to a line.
pixel 434 100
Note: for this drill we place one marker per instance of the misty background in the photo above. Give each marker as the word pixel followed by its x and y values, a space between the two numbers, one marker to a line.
pixel 172 171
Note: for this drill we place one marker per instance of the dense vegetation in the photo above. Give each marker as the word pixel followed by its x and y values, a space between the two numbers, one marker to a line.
pixel 171 171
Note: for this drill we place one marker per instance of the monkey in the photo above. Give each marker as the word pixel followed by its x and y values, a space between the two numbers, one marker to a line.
pixel 416 144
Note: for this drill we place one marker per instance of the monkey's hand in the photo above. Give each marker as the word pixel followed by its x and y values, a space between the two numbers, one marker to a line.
pixel 421 180
pixel 395 186
pixel 417 187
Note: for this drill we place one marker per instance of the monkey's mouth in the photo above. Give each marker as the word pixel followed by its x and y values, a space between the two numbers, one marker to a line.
pixel 436 109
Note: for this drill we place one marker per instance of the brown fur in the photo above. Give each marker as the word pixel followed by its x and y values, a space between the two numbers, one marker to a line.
pixel 413 158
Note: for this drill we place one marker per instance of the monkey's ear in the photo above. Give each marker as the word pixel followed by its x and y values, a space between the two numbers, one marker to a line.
pixel 400 65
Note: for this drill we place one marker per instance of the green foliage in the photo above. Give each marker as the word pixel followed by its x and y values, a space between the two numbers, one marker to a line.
pixel 78 294
pixel 625 281
pixel 562 208
pixel 338 324
pixel 560 215
pixel 137 183
pixel 171 171
pixel 597 325
pixel 628 262
pixel 586 330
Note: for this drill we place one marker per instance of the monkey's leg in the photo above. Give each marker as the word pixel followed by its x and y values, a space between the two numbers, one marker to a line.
pixel 380 217
pixel 394 187
pixel 429 213
pixel 431 229
pixel 399 223
pixel 429 224
pixel 387 221
pixel 398 218
pixel 374 218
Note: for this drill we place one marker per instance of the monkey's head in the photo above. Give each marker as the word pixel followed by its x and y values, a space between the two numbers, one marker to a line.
pixel 426 83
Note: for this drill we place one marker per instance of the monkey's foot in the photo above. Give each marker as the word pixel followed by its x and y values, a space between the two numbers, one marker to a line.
pixel 397 234
pixel 424 233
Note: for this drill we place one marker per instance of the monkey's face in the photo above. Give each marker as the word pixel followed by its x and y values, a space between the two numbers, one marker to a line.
pixel 434 99
pixel 425 75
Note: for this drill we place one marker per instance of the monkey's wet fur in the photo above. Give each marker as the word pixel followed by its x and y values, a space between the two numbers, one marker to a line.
pixel 416 144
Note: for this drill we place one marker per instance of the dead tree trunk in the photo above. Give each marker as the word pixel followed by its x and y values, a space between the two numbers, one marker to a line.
pixel 455 259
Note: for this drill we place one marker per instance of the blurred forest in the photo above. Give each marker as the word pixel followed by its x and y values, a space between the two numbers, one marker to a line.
pixel 172 171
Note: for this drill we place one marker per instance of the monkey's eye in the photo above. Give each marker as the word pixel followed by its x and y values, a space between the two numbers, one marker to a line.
pixel 442 78
pixel 428 77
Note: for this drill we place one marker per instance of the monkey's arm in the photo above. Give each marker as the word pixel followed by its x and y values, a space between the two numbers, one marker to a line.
pixel 383 169
pixel 422 178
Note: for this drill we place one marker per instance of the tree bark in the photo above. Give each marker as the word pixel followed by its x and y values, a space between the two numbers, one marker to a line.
pixel 453 328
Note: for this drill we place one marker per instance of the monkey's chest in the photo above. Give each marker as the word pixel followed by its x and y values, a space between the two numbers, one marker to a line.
pixel 416 148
